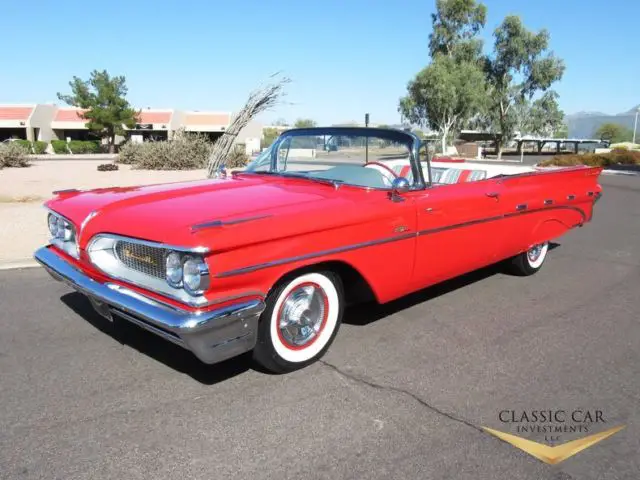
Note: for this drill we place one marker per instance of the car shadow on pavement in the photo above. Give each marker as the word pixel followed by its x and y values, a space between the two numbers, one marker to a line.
pixel 157 348
pixel 364 314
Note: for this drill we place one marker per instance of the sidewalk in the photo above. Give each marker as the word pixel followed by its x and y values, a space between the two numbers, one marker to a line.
pixel 23 190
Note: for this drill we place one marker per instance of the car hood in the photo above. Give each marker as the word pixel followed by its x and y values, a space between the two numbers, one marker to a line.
pixel 168 213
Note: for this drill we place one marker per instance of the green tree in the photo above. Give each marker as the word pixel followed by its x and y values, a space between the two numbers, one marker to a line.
pixel 562 131
pixel 614 133
pixel 451 89
pixel 444 95
pixel 305 123
pixel 269 136
pixel 519 67
pixel 281 122
pixel 546 116
pixel 103 98
pixel 456 24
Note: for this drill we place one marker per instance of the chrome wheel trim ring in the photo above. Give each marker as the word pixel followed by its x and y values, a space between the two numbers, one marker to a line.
pixel 302 315
pixel 534 253
pixel 537 254
pixel 312 348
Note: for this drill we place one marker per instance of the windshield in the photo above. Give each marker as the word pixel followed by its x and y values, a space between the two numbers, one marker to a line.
pixel 367 158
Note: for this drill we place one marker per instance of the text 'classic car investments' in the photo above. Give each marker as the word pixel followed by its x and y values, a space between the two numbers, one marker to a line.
pixel 266 259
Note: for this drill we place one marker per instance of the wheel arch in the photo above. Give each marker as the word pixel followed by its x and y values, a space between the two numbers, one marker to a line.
pixel 356 287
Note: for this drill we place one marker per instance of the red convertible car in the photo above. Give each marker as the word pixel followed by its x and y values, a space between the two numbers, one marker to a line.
pixel 266 259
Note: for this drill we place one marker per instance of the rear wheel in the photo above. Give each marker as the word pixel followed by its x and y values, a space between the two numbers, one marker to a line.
pixel 529 262
pixel 301 320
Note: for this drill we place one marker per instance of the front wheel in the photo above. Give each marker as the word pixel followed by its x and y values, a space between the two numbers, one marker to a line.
pixel 300 321
pixel 529 262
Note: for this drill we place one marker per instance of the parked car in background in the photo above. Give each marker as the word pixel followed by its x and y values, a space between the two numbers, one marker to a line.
pixel 267 259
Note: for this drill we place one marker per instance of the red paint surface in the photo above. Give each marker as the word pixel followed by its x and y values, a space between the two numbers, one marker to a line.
pixel 302 218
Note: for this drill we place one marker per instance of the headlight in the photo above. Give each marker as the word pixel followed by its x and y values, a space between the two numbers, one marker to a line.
pixel 63 234
pixel 53 225
pixel 174 269
pixel 195 275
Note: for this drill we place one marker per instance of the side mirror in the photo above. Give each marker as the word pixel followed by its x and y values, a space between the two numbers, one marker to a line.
pixel 400 185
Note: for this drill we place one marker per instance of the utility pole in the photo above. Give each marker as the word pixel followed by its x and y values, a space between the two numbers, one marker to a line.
pixel 635 125
pixel 366 151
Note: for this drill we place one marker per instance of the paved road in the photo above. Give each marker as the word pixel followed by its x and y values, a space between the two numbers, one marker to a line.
pixel 402 393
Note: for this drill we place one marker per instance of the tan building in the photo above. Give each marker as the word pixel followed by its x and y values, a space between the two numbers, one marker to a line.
pixel 27 122
pixel 51 122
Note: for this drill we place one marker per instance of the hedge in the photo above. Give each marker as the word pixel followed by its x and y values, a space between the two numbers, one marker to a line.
pixel 59 146
pixel 615 157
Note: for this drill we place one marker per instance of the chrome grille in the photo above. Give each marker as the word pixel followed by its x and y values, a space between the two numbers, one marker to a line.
pixel 142 258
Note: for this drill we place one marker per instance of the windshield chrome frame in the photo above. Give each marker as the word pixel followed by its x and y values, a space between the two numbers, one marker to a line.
pixel 401 136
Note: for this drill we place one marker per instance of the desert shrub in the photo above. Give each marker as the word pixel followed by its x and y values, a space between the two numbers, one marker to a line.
pixel 59 146
pixel 237 159
pixel 183 152
pixel 13 154
pixel 615 157
pixel 107 167
pixel 129 153
pixel 39 147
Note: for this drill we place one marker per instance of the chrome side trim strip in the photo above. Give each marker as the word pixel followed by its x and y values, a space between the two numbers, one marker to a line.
pixel 322 253
pixel 346 248
pixel 222 223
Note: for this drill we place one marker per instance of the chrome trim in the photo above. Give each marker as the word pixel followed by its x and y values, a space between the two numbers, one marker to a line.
pixel 521 207
pixel 548 202
pixel 87 219
pixel 308 256
pixel 68 190
pixel 150 243
pixel 136 277
pixel 204 275
pixel 222 223
pixel 212 335
pixel 62 244
pixel 346 248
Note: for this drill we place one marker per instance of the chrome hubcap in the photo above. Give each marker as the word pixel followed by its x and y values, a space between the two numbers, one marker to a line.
pixel 535 252
pixel 302 315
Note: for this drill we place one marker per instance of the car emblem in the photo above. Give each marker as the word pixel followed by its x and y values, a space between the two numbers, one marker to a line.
pixel 141 258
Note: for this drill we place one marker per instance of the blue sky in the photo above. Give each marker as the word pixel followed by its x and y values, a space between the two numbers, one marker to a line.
pixel 345 57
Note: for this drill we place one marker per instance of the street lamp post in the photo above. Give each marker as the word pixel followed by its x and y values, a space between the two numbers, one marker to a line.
pixel 635 125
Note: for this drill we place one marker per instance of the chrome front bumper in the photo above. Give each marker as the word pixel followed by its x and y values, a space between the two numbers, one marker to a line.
pixel 212 335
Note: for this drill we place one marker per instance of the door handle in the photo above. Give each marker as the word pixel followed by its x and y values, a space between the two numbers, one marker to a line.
pixel 492 194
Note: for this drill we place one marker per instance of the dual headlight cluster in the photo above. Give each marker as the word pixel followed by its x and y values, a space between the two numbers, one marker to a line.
pixel 187 271
pixel 63 234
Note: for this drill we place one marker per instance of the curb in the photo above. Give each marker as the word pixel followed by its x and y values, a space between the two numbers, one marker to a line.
pixel 621 172
pixel 78 156
pixel 18 264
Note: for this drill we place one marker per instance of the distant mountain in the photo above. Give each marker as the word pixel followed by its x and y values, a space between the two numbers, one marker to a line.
pixel 585 124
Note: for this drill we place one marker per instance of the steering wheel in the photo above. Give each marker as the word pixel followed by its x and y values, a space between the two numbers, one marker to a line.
pixel 385 170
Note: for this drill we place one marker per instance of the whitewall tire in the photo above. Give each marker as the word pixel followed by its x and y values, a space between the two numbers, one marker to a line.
pixel 529 262
pixel 301 320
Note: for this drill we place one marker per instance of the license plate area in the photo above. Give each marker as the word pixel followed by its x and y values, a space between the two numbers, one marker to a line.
pixel 101 308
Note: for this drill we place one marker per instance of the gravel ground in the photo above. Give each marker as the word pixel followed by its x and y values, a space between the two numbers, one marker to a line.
pixel 23 190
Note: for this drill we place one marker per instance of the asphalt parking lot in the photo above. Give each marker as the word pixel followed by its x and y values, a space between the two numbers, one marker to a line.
pixel 403 392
